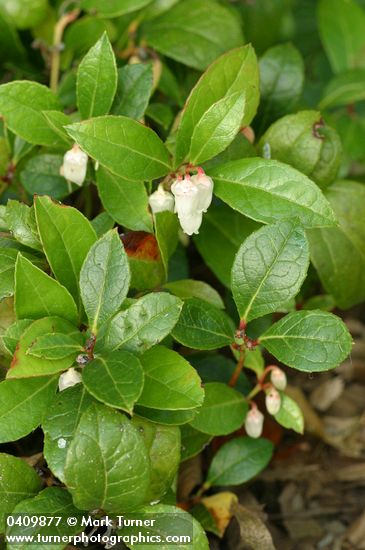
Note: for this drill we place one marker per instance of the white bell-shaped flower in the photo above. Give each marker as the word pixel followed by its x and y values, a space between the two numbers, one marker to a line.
pixel 69 379
pixel 191 224
pixel 278 378
pixel 205 188
pixel 161 200
pixel 254 422
pixel 187 199
pixel 273 401
pixel 74 165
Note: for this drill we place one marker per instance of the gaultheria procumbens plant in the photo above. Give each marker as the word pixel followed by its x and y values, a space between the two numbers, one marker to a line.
pixel 112 340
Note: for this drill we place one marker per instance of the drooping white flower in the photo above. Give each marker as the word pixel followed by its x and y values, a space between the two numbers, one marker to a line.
pixel 68 379
pixel 74 165
pixel 278 378
pixel 205 189
pixel 161 200
pixel 273 401
pixel 191 224
pixel 254 422
pixel 187 199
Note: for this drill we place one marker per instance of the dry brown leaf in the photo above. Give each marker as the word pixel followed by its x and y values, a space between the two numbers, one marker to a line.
pixel 252 532
pixel 190 476
pixel 220 506
pixel 326 393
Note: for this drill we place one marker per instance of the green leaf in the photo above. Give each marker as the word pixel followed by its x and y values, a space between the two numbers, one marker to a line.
pixel 143 324
pixel 56 121
pixel 269 269
pixel 239 460
pixel 22 224
pixel 171 383
pixel 203 326
pixel 104 279
pixel 23 404
pixel 126 201
pixel 224 99
pixel 123 146
pixel 21 104
pixel 305 142
pixel 119 474
pixel 281 81
pixel 169 521
pixel 170 418
pixel 56 345
pixel 97 79
pixel 163 444
pixel 268 190
pixel 18 482
pixel 102 223
pixel 344 89
pixel 192 442
pixel 189 288
pixel 37 295
pixel 160 113
pixel 13 333
pixel 338 254
pixel 290 416
pixel 218 368
pixel 223 229
pixel 25 365
pixel 115 379
pixel 10 43
pixel 133 91
pixel 342 29
pixel 8 258
pixel 41 176
pixel 59 426
pixel 53 502
pixel 193 32
pixel 66 236
pixel 311 341
pixel 112 8
pixel 167 235
pixel 223 411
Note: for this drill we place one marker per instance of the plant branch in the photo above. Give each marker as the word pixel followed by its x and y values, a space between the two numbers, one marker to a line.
pixel 56 49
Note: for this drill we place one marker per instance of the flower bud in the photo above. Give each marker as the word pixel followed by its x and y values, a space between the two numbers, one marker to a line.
pixel 205 187
pixel 68 379
pixel 74 165
pixel 254 422
pixel 273 401
pixel 278 378
pixel 161 200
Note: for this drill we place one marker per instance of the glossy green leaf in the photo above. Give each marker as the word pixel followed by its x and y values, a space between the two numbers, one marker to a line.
pixel 126 201
pixel 113 8
pixel 223 229
pixel 123 146
pixel 37 295
pixel 290 416
pixel 143 324
pixel 22 224
pixel 18 481
pixel 338 254
pixel 192 32
pixel 341 26
pixel 41 176
pixel 170 418
pixel 119 474
pixel 203 326
pixel 268 190
pixel 56 121
pixel 344 89
pixel 192 441
pixel 25 365
pixel 239 460
pixel 115 379
pixel 223 411
pixel 13 333
pixel 215 367
pixel 52 502
pixel 224 99
pixel 189 288
pixel 309 340
pixel 59 426
pixel 171 383
pixel 167 235
pixel 269 269
pixel 56 345
pixel 23 404
pixel 102 223
pixel 8 258
pixel 305 142
pixel 66 236
pixel 104 279
pixel 21 104
pixel 163 444
pixel 97 79
pixel 134 90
